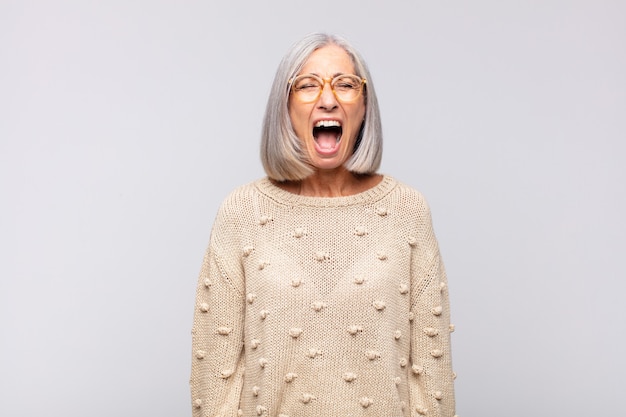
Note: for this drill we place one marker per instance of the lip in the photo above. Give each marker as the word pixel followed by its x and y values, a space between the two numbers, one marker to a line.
pixel 326 119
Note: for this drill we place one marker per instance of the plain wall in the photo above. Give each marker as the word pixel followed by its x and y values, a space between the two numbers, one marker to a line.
pixel 123 124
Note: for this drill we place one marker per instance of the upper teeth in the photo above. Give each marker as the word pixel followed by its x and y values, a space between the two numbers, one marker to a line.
pixel 327 123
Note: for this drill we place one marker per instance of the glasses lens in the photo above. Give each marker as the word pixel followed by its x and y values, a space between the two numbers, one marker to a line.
pixel 347 87
pixel 306 87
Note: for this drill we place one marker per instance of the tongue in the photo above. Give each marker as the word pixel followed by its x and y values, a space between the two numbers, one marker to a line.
pixel 327 140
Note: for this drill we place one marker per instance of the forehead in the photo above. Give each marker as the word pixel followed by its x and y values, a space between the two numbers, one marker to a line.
pixel 328 61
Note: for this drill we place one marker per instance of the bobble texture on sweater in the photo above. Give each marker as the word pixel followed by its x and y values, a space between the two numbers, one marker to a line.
pixel 313 306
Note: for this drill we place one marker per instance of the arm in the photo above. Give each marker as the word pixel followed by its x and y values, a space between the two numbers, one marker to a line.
pixel 217 334
pixel 431 379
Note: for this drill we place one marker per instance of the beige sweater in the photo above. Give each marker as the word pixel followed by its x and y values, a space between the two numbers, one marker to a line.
pixel 311 307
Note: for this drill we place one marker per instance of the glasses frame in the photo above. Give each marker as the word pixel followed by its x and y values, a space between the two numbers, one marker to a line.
pixel 331 82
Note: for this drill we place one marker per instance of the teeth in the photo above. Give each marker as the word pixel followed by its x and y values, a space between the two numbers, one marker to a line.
pixel 328 123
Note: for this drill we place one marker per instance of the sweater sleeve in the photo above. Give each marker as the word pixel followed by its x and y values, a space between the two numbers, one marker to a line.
pixel 217 334
pixel 431 379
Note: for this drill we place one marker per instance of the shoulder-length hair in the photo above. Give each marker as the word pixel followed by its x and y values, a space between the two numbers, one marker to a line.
pixel 281 151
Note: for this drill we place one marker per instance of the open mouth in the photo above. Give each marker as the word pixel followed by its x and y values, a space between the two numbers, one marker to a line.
pixel 327 133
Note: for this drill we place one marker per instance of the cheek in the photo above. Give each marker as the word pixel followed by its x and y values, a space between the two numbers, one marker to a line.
pixel 356 111
pixel 361 113
pixel 299 121
pixel 357 115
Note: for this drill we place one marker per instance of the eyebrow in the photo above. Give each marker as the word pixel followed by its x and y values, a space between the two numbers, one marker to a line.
pixel 333 76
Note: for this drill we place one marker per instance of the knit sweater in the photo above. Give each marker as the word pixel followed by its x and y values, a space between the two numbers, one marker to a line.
pixel 310 306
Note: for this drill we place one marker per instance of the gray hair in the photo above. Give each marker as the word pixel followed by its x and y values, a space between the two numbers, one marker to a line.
pixel 281 151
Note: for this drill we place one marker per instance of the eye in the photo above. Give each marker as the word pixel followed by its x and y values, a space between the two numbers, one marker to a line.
pixel 345 86
pixel 306 84
pixel 347 83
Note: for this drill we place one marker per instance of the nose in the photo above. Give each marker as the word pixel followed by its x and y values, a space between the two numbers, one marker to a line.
pixel 327 99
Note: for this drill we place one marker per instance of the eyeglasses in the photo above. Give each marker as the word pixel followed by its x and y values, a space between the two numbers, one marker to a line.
pixel 307 88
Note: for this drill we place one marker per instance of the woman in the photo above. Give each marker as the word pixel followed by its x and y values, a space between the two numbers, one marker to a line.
pixel 322 292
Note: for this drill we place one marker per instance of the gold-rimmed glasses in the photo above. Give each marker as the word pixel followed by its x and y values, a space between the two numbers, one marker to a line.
pixel 307 88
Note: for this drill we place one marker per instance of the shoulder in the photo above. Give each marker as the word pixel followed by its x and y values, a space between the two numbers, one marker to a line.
pixel 239 199
pixel 409 198
pixel 237 211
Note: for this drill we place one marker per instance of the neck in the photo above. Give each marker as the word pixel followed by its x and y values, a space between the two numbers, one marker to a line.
pixel 333 183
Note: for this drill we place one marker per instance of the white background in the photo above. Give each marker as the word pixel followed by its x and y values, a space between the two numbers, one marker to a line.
pixel 123 124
